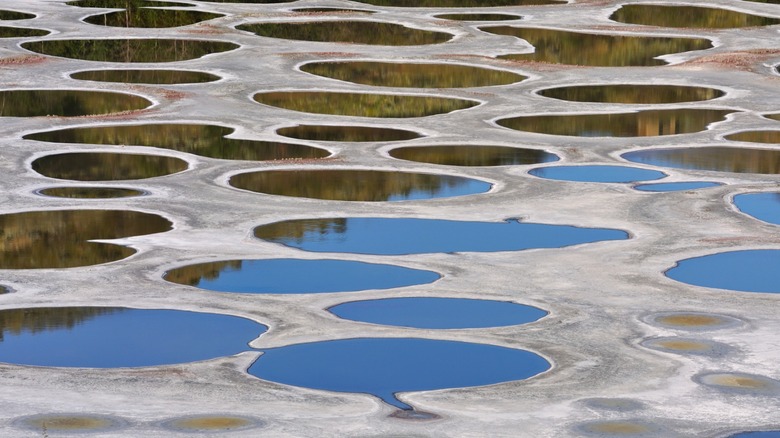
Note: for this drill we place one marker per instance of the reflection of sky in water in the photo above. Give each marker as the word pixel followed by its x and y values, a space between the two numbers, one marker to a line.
pixel 412 236
pixel 438 313
pixel 762 206
pixel 289 276
pixel 764 434
pixel 383 367
pixel 747 271
pixel 676 186
pixel 603 174
pixel 120 337
pixel 452 187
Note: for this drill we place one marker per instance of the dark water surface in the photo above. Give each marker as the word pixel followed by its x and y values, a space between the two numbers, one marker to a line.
pixel 688 17
pixel 297 276
pixel 459 3
pixel 356 32
pixel 438 313
pixel 21 32
pixel 395 236
pixel 574 48
pixel 470 155
pixel 14 15
pixel 67 103
pixel 717 158
pixel 129 50
pixel 168 77
pixel 756 136
pixel 632 94
pixel 412 75
pixel 384 367
pixel 106 166
pixel 60 238
pixel 111 337
pixel 645 123
pixel 150 18
pixel 204 140
pixel 746 271
pixel 90 192
pixel 358 185
pixel 362 104
pixel 347 133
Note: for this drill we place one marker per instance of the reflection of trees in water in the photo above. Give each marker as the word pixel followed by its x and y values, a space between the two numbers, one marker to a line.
pixel 756 136
pixel 472 155
pixel 14 15
pixel 358 32
pixel 774 116
pixel 203 140
pixel 390 74
pixel 58 239
pixel 362 104
pixel 632 93
pixel 723 159
pixel 688 16
pixel 36 320
pixel 124 4
pixel 129 50
pixel 146 76
pixel 478 17
pixel 19 32
pixel 458 3
pixel 67 103
pixel 192 275
pixel 150 18
pixel 345 185
pixel 89 192
pixel 346 133
pixel 300 230
pixel 639 124
pixel 561 47
pixel 105 166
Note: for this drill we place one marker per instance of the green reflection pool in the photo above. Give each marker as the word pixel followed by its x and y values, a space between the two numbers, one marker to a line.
pixel 356 32
pixel 15 15
pixel 67 103
pixel 688 17
pixel 346 133
pixel 150 18
pixel 21 32
pixel 362 104
pixel 472 155
pixel 357 185
pixel 167 77
pixel 632 93
pixel 575 48
pixel 478 17
pixel 60 238
pixel 204 140
pixel 106 166
pixel 418 75
pixel 459 3
pixel 647 123
pixel 90 192
pixel 130 49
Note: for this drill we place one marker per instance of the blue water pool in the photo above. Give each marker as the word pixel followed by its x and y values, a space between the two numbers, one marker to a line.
pixel 386 366
pixel 597 173
pixel 293 276
pixel 747 271
pixel 676 186
pixel 110 337
pixel 395 236
pixel 438 313
pixel 762 206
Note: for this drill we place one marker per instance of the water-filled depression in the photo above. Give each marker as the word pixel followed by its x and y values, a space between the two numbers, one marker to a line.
pixel 106 166
pixel 150 17
pixel 356 32
pixel 717 158
pixel 129 50
pixel 575 48
pixel 676 186
pixel 163 77
pixel 688 17
pixel 597 173
pixel 21 32
pixel 746 271
pixel 478 17
pixel 395 236
pixel 412 75
pixel 384 367
pixel 632 94
pixel 60 238
pixel 87 192
pixel 762 206
pixel 67 103
pixel 438 313
pixel 14 15
pixel 473 155
pixel 645 123
pixel 204 140
pixel 357 185
pixel 346 133
pixel 756 136
pixel 458 3
pixel 296 276
pixel 110 337
pixel 362 104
